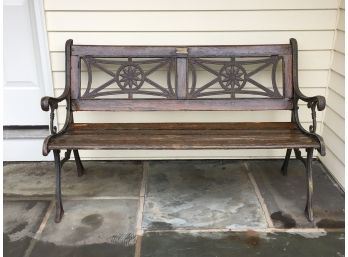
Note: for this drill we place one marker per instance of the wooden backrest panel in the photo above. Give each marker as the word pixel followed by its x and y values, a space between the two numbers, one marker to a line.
pixel 119 78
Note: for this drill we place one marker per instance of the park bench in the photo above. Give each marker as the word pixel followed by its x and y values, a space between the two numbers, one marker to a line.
pixel 189 78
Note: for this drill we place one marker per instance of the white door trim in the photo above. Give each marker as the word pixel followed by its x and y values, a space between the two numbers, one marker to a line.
pixel 37 12
pixel 29 149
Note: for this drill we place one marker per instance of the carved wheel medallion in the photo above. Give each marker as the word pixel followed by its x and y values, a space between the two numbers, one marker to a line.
pixel 232 76
pixel 130 77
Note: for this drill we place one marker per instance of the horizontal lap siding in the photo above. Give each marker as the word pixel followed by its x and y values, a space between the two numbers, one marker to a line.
pixel 333 124
pixel 184 5
pixel 200 20
pixel 220 22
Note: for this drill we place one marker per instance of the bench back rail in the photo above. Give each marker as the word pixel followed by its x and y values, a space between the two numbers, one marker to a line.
pixel 138 78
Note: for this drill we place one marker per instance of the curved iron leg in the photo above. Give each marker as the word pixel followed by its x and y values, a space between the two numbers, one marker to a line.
pixel 59 205
pixel 286 162
pixel 79 165
pixel 309 208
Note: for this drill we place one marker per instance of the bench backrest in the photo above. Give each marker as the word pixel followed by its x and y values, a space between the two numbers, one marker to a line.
pixel 139 78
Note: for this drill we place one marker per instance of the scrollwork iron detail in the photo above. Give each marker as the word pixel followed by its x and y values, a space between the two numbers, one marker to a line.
pixel 314 103
pixel 129 77
pixel 233 77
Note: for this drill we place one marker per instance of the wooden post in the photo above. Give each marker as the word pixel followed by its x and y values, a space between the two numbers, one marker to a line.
pixel 181 73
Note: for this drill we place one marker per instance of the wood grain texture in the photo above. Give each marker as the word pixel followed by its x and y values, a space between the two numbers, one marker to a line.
pixel 183 136
pixel 193 51
pixel 181 105
pixel 75 77
pixel 181 78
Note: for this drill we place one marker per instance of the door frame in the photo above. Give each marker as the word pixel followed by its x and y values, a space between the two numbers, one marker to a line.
pixel 19 149
pixel 37 16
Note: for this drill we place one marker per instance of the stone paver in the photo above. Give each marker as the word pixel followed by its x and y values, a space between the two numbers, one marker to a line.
pixel 89 228
pixel 242 244
pixel 285 196
pixel 196 194
pixel 180 195
pixel 21 221
pixel 102 178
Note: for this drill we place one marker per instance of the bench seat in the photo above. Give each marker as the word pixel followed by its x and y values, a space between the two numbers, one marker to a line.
pixel 237 135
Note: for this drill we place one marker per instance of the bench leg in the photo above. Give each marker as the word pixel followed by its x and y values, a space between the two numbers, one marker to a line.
pixel 78 162
pixel 309 208
pixel 299 156
pixel 286 162
pixel 59 205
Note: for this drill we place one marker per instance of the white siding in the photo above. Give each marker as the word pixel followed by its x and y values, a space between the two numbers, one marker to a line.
pixel 333 129
pixel 184 5
pixel 155 22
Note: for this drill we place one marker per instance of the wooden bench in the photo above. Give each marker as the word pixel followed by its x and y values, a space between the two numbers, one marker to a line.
pixel 185 78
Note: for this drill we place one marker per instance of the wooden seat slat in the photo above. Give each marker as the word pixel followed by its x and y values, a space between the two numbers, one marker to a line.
pixel 182 136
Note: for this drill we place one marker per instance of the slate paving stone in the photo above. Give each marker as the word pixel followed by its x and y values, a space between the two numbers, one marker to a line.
pixel 200 194
pixel 91 228
pixel 21 221
pixel 285 196
pixel 179 195
pixel 102 178
pixel 242 244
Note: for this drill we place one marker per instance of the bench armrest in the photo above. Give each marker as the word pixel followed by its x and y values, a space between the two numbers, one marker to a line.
pixel 51 103
pixel 314 103
pixel 48 102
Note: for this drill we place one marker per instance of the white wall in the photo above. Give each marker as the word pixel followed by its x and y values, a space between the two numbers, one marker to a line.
pixel 333 129
pixel 156 22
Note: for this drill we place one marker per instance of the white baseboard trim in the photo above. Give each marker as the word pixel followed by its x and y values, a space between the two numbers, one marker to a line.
pixel 24 150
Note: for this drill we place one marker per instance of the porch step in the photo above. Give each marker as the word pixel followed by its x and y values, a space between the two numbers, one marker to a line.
pixel 24 143
pixel 27 132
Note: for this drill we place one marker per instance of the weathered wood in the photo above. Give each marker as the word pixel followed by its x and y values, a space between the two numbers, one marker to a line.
pixel 185 126
pixel 181 105
pixel 287 76
pixel 123 51
pixel 180 58
pixel 75 77
pixel 183 136
pixel 181 77
pixel 167 51
pixel 240 50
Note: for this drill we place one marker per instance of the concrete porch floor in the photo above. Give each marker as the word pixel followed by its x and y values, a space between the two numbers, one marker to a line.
pixel 204 208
